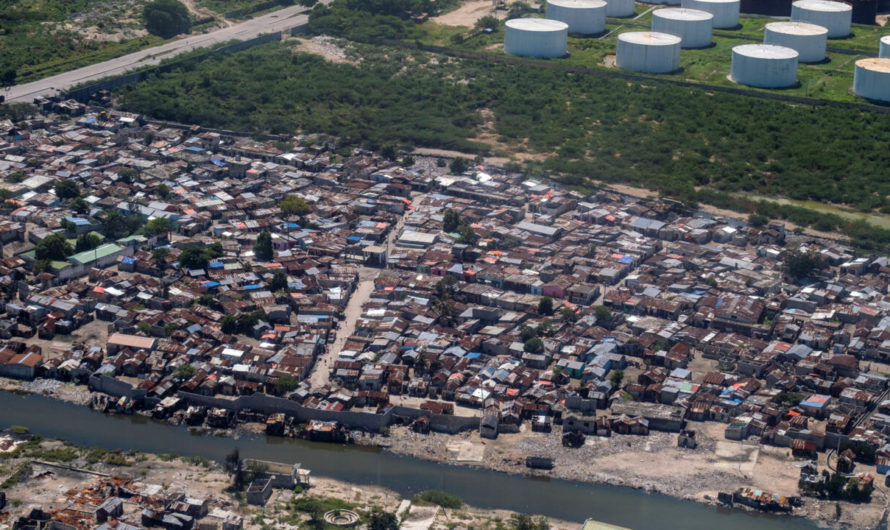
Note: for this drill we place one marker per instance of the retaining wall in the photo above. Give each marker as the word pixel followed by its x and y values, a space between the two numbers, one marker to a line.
pixel 354 420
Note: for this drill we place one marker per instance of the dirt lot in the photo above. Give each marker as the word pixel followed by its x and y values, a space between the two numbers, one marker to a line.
pixel 468 13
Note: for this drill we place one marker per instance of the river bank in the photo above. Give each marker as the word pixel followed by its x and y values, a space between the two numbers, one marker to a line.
pixel 367 466
pixel 62 475
pixel 651 463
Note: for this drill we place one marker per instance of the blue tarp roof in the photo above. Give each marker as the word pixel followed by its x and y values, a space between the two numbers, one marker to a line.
pixel 253 287
pixel 215 265
pixel 195 149
pixel 218 162
pixel 210 284
pixel 474 355
pixel 626 260
pixel 128 260
pixel 353 238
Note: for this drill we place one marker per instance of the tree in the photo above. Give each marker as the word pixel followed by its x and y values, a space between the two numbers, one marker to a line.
pixel 79 205
pixel 602 312
pixel 127 175
pixel 68 226
pixel 450 221
pixel 166 18
pixel 156 226
pixel 285 384
pixel 229 324
pixel 388 152
pixel 489 22
pixel 116 226
pixel 407 161
pixel 87 241
pixel 459 165
pixel 185 371
pixel 53 247
pixel 295 205
pixel 755 220
pixel 533 345
pixel 800 265
pixel 616 377
pixel 446 287
pixel 234 466
pixel 67 189
pixel 163 191
pixel 467 235
pixel 262 249
pixel 568 314
pixel 591 250
pixel 545 306
pixel 194 258
pixel 527 333
pixel 381 520
pixel 278 282
pixel 7 77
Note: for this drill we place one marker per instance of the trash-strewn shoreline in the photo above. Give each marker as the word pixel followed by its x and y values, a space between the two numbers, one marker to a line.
pixel 650 463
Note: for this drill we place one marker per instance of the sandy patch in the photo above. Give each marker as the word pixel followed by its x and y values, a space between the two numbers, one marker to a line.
pixel 327 47
pixel 467 14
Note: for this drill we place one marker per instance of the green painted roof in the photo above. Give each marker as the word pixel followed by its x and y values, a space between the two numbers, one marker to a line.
pixel 99 252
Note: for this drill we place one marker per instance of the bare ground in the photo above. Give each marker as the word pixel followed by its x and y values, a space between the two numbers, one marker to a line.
pixel 468 13
pixel 653 463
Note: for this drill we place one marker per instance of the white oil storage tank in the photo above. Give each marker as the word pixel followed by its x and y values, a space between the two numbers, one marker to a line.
pixel 885 47
pixel 834 16
pixel 587 17
pixel 536 37
pixel 648 52
pixel 620 8
pixel 726 12
pixel 809 40
pixel 764 65
pixel 691 25
pixel 871 79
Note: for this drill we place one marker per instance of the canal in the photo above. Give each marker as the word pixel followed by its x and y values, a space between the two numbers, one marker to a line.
pixel 561 499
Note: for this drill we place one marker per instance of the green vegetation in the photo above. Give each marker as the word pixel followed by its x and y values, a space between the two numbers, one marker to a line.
pixel 787 399
pixel 185 371
pixel 53 247
pixel 36 41
pixel 198 257
pixel 197 461
pixel 20 474
pixel 438 498
pixel 87 241
pixel 837 486
pixel 166 18
pixel 801 265
pixel 521 521
pixel 67 189
pixel 545 306
pixel 262 249
pixel 451 220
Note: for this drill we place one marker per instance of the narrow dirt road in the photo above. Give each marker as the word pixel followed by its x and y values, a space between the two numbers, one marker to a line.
pixel 321 372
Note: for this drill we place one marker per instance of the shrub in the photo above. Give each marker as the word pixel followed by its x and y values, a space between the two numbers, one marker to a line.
pixel 438 498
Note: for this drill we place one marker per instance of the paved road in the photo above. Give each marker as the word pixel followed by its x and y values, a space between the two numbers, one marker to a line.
pixel 281 20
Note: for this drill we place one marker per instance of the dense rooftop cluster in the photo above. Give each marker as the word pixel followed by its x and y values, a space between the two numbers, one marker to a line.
pixel 499 296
